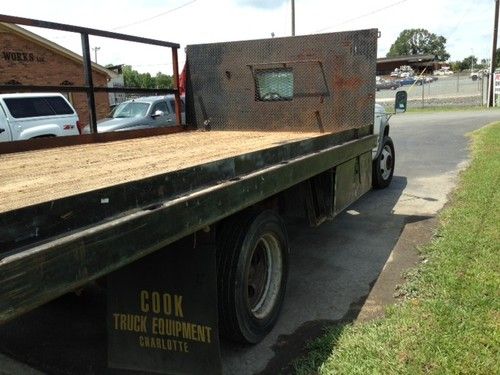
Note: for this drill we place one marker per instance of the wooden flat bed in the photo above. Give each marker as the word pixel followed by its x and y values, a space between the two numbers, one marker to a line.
pixel 73 214
pixel 35 177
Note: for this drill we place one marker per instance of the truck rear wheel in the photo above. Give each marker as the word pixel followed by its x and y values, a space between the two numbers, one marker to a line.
pixel 383 165
pixel 252 262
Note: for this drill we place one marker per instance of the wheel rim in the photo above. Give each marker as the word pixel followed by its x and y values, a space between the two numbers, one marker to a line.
pixel 386 162
pixel 264 276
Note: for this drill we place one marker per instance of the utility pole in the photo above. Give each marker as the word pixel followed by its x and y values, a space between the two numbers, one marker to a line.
pixel 472 60
pixel 491 82
pixel 293 17
pixel 95 49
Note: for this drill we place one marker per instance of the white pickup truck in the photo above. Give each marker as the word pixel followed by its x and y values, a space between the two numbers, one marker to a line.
pixel 27 116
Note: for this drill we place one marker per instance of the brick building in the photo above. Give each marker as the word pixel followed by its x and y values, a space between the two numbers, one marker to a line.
pixel 419 63
pixel 29 59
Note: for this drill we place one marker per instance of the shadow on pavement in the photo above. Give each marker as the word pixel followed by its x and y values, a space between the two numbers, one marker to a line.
pixel 333 270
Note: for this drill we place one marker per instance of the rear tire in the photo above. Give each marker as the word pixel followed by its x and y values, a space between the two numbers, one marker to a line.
pixel 252 259
pixel 383 165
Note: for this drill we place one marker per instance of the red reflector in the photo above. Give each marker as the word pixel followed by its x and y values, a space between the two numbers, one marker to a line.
pixel 68 127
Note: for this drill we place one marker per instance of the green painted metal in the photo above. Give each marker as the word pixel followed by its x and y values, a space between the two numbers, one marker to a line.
pixel 41 273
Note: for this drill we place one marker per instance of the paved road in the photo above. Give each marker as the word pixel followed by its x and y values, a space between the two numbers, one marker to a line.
pixel 445 86
pixel 448 90
pixel 336 269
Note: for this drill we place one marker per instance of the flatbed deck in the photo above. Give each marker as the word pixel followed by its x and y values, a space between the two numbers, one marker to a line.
pixel 54 247
pixel 35 177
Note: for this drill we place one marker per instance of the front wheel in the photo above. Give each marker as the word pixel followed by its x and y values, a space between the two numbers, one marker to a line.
pixel 252 273
pixel 383 165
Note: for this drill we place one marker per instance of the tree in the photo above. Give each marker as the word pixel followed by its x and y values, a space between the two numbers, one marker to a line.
pixel 418 42
pixel 163 81
pixel 469 63
pixel 456 66
pixel 147 82
pixel 132 78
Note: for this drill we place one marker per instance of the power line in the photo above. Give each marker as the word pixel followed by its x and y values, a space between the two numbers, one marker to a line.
pixel 363 15
pixel 66 37
pixel 155 16
pixel 459 23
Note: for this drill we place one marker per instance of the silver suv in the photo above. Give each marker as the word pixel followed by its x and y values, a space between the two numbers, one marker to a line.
pixel 141 113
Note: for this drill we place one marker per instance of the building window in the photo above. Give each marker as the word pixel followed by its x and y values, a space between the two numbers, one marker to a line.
pixel 274 84
pixel 68 95
pixel 13 82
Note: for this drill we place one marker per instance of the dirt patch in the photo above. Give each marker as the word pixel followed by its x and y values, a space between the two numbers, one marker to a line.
pixel 417 232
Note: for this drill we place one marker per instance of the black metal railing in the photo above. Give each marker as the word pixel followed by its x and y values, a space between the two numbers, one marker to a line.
pixel 89 87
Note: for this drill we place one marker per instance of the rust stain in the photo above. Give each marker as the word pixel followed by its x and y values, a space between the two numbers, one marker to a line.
pixel 306 55
pixel 351 83
pixel 346 43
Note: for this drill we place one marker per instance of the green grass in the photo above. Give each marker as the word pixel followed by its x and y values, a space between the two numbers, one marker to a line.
pixel 449 320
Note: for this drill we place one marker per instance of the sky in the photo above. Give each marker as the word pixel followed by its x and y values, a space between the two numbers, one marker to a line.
pixel 466 24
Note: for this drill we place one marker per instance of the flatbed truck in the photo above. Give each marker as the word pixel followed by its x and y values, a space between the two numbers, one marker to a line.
pixel 188 230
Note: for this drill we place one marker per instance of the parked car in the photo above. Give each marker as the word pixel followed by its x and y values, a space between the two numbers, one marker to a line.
pixel 444 71
pixel 407 81
pixel 479 74
pixel 424 79
pixel 140 113
pixel 27 116
pixel 417 80
pixel 387 84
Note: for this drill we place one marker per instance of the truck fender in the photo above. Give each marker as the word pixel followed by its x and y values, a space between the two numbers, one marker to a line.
pixel 5 128
pixel 381 128
pixel 45 130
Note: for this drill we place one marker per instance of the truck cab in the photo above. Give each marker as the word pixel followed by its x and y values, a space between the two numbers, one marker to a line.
pixel 383 155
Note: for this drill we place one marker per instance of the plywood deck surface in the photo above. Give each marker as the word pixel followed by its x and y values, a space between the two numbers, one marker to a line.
pixel 41 176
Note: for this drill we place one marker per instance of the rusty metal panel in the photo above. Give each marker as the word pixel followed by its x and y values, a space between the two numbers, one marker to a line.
pixel 352 179
pixel 314 83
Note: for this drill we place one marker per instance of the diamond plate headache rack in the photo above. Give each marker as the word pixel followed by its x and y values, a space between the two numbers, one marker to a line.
pixel 309 83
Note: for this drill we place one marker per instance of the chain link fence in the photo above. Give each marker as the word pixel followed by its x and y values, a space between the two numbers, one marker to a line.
pixel 455 90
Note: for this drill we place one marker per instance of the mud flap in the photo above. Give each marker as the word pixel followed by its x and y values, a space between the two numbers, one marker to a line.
pixel 162 311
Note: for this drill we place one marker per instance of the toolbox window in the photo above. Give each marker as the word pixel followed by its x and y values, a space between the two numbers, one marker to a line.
pixel 274 85
pixel 59 105
pixel 29 107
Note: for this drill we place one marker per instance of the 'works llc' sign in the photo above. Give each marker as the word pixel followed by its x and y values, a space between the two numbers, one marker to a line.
pixel 21 56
